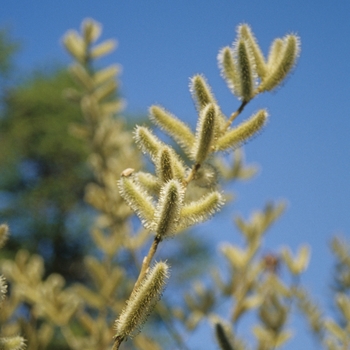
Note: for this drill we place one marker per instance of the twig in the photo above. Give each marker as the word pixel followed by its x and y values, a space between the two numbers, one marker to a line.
pixel 235 115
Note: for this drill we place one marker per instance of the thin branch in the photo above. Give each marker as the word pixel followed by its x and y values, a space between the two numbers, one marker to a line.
pixel 235 115
pixel 147 261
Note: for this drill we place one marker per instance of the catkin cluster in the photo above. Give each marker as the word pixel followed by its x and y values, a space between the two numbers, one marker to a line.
pixel 162 200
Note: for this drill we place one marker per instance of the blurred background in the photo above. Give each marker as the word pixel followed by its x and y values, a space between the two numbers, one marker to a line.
pixel 303 153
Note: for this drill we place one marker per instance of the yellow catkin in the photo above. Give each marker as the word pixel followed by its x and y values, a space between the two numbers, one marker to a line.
pixel 201 92
pixel 283 64
pixel 201 210
pixel 245 67
pixel 164 165
pixel 147 141
pixel 138 199
pixel 168 208
pixel 13 343
pixel 142 301
pixel 229 70
pixel 237 136
pixel 247 34
pixel 205 133
pixel 176 128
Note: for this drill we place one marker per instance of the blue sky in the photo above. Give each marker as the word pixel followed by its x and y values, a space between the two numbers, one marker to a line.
pixel 304 152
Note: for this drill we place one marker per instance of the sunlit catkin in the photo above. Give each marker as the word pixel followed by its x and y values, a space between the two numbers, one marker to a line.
pixel 202 209
pixel 245 68
pixel 142 301
pixel 201 92
pixel 176 128
pixel 229 70
pixel 147 141
pixel 275 52
pixel 205 133
pixel 13 343
pixel 164 166
pixel 282 64
pixel 138 199
pixel 168 208
pixel 237 136
pixel 246 33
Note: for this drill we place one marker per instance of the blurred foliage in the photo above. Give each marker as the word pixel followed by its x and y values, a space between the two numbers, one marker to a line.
pixel 8 47
pixel 44 171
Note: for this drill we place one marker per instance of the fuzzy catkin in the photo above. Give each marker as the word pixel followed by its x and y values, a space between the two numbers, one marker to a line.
pixel 259 60
pixel 229 70
pixel 168 208
pixel 282 63
pixel 243 132
pixel 138 199
pixel 245 70
pixel 176 128
pixel 142 301
pixel 205 133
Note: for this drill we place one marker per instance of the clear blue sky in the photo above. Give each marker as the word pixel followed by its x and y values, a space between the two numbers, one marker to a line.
pixel 304 153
